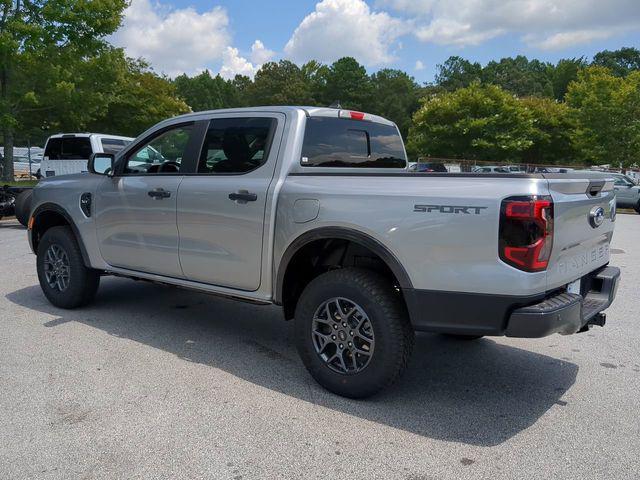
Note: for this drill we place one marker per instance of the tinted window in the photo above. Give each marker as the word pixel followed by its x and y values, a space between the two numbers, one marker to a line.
pixel 338 142
pixel 163 154
pixel 68 148
pixel 113 145
pixel 236 145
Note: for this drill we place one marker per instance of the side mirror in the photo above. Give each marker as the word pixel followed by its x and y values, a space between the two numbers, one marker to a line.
pixel 101 163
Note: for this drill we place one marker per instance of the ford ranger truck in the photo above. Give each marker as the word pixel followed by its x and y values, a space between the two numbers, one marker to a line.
pixel 314 209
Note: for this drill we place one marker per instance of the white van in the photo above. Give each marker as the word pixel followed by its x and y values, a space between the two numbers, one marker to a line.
pixel 67 153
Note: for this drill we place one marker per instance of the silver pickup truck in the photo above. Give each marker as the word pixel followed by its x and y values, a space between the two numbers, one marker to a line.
pixel 314 209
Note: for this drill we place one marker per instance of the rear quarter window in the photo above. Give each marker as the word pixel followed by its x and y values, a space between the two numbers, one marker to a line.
pixel 340 142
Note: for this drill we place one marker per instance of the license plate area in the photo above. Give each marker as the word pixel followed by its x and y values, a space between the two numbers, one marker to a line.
pixel 575 287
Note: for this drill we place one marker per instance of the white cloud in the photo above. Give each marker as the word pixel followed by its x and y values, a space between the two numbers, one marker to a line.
pixel 173 40
pixel 260 54
pixel 547 24
pixel 233 64
pixel 340 28
pixel 419 65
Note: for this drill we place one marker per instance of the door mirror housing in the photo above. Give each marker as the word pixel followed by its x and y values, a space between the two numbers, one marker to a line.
pixel 102 163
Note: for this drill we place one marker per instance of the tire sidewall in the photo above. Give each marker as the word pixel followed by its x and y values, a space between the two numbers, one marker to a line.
pixel 23 206
pixel 382 364
pixel 74 293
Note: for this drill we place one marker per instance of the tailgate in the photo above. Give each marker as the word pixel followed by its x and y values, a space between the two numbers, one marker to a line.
pixel 580 241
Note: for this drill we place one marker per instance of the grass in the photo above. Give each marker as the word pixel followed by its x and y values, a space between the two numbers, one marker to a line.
pixel 20 183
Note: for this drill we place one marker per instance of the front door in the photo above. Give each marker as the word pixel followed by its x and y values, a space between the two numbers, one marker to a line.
pixel 221 208
pixel 136 208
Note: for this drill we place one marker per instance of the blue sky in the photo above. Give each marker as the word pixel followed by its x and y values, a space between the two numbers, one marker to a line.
pixel 237 36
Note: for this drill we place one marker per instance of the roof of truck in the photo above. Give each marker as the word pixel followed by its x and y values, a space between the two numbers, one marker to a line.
pixel 88 134
pixel 308 110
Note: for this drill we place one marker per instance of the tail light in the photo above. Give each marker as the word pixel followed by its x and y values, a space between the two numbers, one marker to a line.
pixel 351 114
pixel 526 232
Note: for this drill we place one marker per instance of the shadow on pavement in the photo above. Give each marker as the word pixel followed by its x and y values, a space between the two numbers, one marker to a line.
pixel 479 393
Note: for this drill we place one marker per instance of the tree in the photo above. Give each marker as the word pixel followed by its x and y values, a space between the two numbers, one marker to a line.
pixel 394 96
pixel 520 76
pixel 456 72
pixel 481 122
pixel 621 62
pixel 606 109
pixel 347 82
pixel 281 83
pixel 141 100
pixel 553 125
pixel 565 72
pixel 43 35
pixel 204 92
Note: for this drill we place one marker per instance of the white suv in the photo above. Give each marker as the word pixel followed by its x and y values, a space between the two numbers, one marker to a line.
pixel 67 153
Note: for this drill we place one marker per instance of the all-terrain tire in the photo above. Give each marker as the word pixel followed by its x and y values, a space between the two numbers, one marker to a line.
pixel 81 282
pixel 391 330
pixel 23 206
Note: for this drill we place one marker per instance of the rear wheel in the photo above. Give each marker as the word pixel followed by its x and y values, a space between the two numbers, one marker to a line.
pixel 23 206
pixel 64 279
pixel 637 208
pixel 352 332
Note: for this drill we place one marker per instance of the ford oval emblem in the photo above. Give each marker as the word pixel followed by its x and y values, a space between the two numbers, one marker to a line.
pixel 596 216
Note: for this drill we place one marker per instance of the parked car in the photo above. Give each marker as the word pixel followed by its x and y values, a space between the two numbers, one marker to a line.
pixel 490 169
pixel 68 153
pixel 313 209
pixel 65 154
pixel 428 167
pixel 627 192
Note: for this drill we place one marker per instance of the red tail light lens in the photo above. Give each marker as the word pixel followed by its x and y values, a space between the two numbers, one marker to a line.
pixel 526 232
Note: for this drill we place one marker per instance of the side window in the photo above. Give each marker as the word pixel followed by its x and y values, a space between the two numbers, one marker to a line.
pixel 338 142
pixel 113 145
pixel 163 154
pixel 236 145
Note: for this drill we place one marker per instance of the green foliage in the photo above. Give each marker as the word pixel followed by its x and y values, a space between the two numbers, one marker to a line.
pixel 394 95
pixel 347 82
pixel 204 92
pixel 620 62
pixel 606 109
pixel 520 76
pixel 456 72
pixel 481 122
pixel 281 83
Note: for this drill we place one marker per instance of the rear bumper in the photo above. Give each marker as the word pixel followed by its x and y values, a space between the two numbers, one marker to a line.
pixel 567 313
pixel 526 316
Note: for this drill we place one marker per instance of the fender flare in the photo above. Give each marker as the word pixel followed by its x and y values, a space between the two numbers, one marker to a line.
pixel 342 233
pixel 55 208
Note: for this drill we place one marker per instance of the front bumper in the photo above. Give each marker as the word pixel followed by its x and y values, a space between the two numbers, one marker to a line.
pixel 567 313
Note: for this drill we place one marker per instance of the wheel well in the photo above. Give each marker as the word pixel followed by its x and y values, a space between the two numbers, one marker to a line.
pixel 43 222
pixel 322 255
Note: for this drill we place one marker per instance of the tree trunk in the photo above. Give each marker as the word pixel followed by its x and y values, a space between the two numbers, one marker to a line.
pixel 7 170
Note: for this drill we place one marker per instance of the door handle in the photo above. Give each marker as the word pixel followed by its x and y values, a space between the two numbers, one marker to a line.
pixel 159 193
pixel 243 196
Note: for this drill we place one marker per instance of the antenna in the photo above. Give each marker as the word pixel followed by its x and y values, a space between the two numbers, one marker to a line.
pixel 335 104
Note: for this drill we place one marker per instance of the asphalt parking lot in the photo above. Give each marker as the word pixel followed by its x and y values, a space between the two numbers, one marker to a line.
pixel 154 382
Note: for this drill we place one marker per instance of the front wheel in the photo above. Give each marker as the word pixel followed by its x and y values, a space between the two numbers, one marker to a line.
pixel 352 332
pixel 64 279
pixel 637 209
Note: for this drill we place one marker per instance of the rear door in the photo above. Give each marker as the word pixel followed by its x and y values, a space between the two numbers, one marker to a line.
pixel 581 239
pixel 136 208
pixel 221 208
